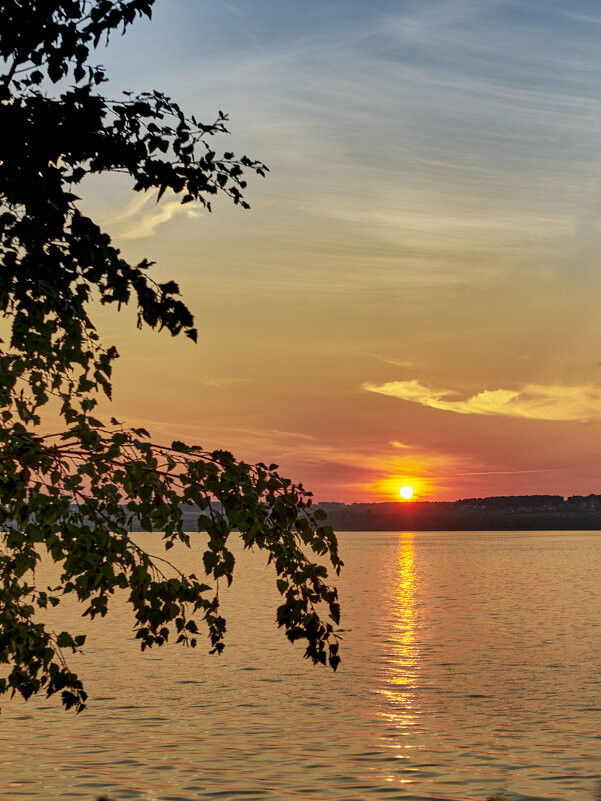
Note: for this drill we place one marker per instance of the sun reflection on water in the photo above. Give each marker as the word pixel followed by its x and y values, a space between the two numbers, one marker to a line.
pixel 404 655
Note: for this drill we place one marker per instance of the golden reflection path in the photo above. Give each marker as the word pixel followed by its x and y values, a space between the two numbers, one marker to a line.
pixel 405 658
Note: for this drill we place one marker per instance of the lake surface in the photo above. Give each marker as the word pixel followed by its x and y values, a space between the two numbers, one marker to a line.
pixel 471 668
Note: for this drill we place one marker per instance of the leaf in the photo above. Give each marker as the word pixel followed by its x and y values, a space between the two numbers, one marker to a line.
pixel 65 640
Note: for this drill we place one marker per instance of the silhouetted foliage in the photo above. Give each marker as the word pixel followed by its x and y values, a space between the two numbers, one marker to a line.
pixel 73 494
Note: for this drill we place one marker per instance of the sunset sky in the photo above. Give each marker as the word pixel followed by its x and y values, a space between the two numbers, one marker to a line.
pixel 413 298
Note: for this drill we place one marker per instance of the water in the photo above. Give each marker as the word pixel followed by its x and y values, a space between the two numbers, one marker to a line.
pixel 471 668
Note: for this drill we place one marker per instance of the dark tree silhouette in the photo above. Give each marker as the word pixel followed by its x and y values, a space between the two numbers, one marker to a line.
pixel 73 495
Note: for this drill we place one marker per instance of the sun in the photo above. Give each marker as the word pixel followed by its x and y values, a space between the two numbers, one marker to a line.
pixel 406 492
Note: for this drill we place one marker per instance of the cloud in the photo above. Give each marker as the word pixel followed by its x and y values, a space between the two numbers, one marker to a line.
pixel 531 401
pixel 508 472
pixel 395 362
pixel 140 218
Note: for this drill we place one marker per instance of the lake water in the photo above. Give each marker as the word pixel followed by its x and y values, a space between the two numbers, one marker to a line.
pixel 471 668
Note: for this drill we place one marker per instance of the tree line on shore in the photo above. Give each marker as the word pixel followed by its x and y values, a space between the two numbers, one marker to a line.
pixel 510 512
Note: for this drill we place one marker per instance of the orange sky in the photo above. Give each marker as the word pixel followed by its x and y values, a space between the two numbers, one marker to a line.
pixel 413 297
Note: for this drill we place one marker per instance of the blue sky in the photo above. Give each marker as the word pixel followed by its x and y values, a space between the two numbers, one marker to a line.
pixel 431 220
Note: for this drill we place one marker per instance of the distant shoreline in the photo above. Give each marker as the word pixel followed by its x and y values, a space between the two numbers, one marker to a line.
pixel 498 513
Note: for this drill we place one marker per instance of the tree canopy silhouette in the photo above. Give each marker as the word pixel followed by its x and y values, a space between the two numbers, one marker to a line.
pixel 72 496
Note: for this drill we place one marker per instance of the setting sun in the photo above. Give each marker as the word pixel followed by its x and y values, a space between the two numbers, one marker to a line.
pixel 406 492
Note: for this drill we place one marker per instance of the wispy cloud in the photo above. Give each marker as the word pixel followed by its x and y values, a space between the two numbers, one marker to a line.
pixel 508 472
pixel 141 217
pixel 395 362
pixel 219 383
pixel 531 401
